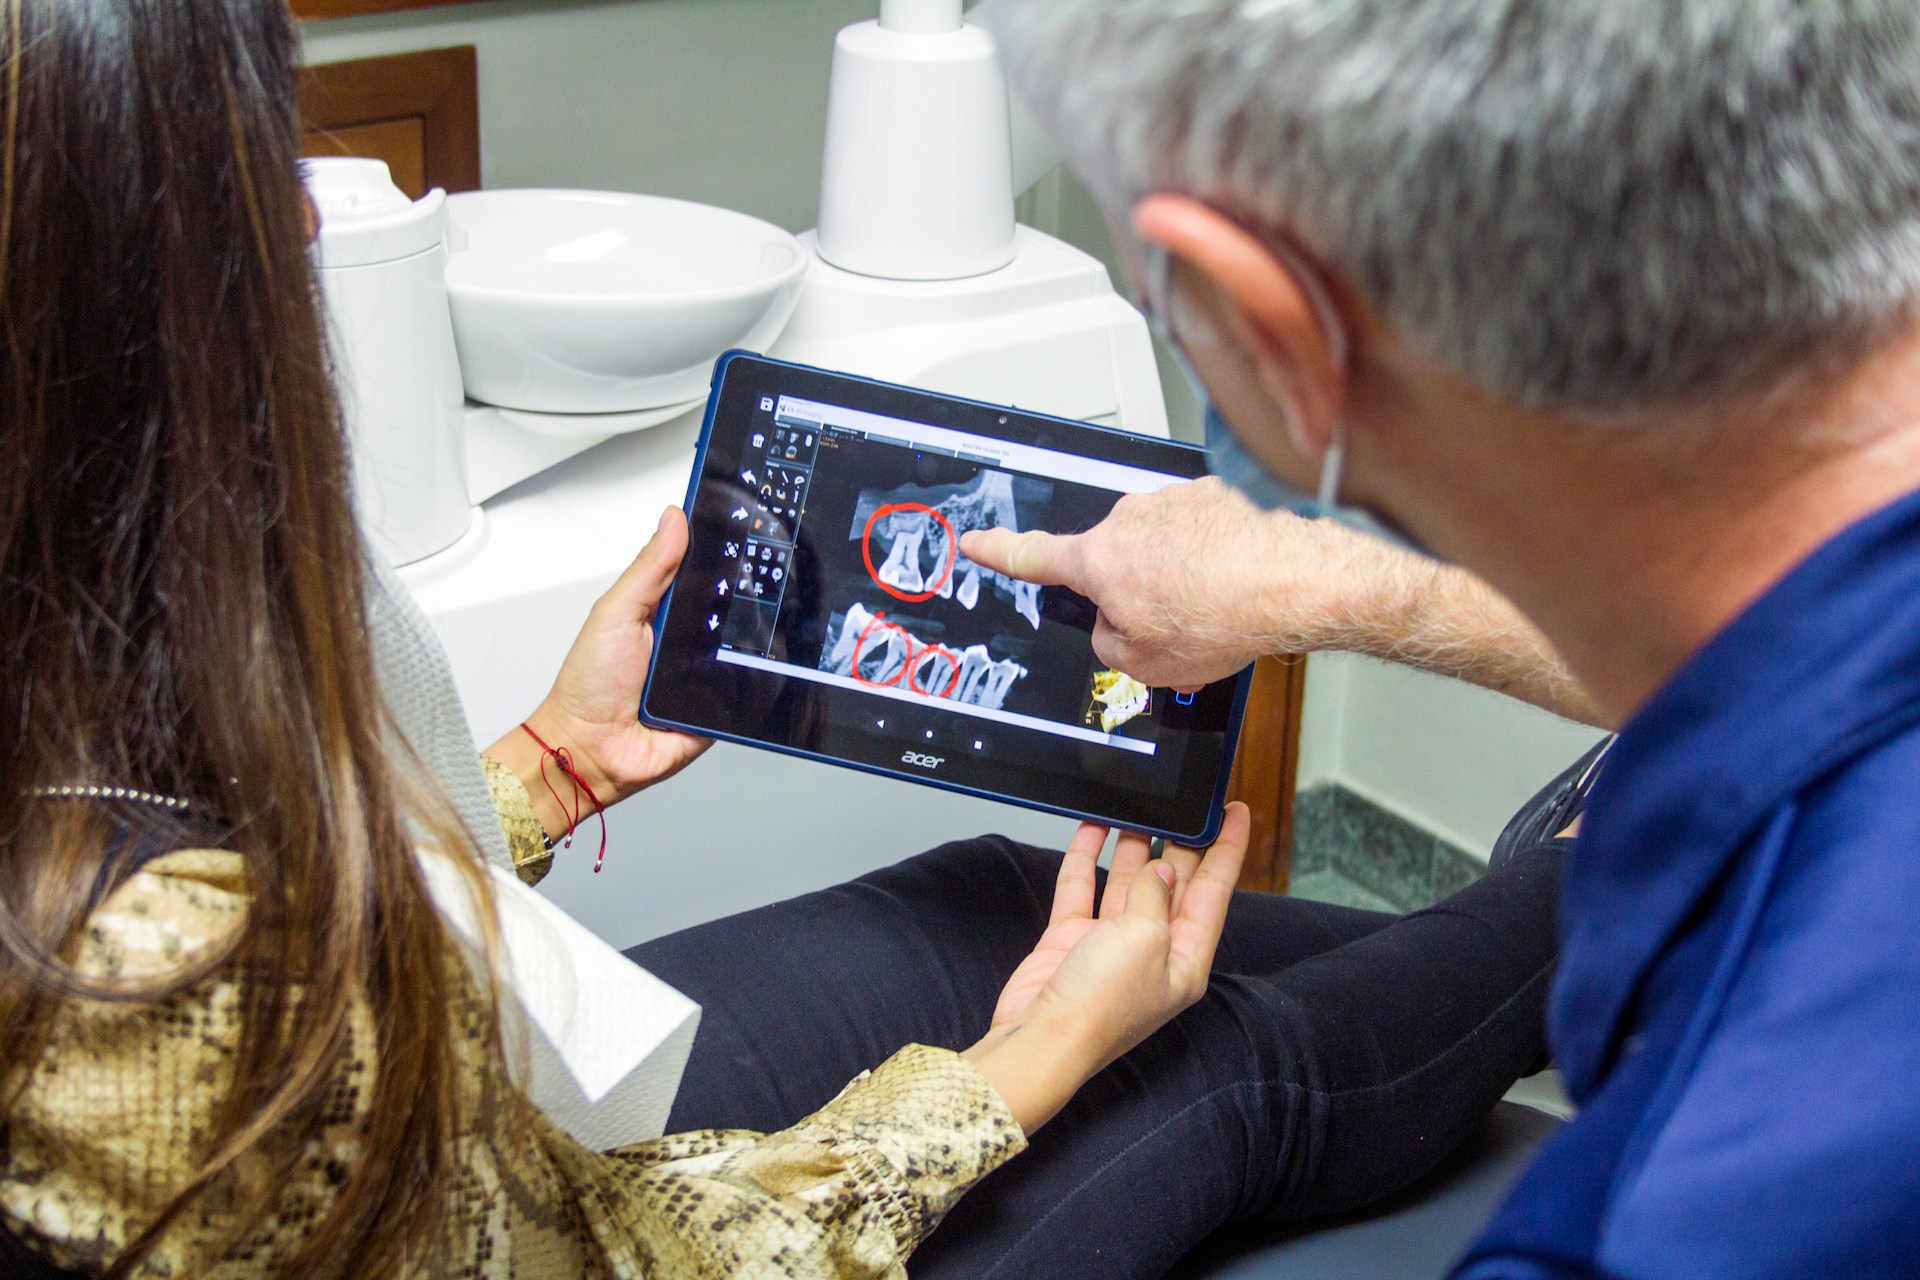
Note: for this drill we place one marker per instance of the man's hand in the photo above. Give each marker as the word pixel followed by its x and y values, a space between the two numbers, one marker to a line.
pixel 1108 974
pixel 1194 582
pixel 593 708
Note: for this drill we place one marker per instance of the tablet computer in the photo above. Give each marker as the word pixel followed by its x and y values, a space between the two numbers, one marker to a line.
pixel 824 608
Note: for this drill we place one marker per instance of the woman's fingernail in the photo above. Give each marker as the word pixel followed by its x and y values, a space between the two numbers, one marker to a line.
pixel 664 517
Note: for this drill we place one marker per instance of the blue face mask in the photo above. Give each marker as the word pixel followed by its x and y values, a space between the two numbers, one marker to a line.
pixel 1228 459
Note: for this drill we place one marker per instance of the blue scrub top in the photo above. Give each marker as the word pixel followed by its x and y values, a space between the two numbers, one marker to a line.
pixel 1737 1010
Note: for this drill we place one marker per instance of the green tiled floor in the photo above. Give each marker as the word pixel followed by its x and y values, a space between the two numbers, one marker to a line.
pixel 1362 847
pixel 1331 886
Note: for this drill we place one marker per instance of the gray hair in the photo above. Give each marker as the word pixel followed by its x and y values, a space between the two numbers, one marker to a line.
pixel 1586 205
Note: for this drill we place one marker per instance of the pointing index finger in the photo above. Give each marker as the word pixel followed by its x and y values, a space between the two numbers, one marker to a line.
pixel 1042 558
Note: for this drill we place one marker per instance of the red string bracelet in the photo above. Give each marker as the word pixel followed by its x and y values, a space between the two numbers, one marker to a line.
pixel 564 758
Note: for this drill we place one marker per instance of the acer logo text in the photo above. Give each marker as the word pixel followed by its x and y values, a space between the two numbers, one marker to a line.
pixel 924 762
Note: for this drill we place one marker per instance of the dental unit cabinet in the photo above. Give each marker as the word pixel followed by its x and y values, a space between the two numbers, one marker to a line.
pixel 524 375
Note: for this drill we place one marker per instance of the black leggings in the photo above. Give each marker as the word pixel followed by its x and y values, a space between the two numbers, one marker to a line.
pixel 1338 1055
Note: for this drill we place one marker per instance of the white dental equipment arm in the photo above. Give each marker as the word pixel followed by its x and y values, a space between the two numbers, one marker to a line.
pixel 921 158
pixel 921 17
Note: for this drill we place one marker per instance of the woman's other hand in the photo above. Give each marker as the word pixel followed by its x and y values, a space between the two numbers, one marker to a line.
pixel 593 709
pixel 1109 973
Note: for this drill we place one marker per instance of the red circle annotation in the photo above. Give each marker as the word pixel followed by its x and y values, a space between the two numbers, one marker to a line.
pixel 916 657
pixel 866 551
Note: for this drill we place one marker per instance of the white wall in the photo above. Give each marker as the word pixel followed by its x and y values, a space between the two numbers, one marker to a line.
pixel 1455 759
pixel 1323 712
pixel 716 100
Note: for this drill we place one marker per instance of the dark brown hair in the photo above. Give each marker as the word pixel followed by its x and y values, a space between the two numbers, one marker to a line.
pixel 181 586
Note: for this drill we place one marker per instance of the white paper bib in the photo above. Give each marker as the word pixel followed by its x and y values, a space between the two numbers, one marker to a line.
pixel 596 1041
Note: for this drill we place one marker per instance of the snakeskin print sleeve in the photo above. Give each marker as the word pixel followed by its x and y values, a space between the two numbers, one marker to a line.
pixel 102 1133
pixel 526 840
pixel 848 1192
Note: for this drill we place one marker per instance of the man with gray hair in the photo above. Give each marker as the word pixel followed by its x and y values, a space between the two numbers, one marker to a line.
pixel 1611 302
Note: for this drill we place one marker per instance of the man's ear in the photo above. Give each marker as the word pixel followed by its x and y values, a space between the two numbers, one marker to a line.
pixel 1272 307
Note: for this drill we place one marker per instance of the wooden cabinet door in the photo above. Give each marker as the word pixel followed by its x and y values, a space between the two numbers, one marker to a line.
pixel 1263 775
pixel 420 112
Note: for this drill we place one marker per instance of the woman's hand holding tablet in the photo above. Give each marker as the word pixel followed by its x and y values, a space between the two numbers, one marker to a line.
pixel 589 710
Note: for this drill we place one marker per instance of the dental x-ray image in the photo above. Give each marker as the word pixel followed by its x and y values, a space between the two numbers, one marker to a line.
pixel 889 655
pixel 910 534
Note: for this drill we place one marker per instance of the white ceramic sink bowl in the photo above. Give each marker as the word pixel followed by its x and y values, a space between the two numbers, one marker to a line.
pixel 597 302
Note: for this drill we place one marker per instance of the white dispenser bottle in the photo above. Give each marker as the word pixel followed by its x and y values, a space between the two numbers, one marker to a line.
pixel 383 266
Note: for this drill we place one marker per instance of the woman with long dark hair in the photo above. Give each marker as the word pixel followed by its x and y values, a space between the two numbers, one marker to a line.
pixel 239 1038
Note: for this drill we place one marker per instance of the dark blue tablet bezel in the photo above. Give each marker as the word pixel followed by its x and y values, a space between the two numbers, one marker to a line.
pixel 1240 684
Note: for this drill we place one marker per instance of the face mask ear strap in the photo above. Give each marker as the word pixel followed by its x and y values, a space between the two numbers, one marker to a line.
pixel 1325 314
pixel 1331 468
pixel 1159 279
pixel 1159 298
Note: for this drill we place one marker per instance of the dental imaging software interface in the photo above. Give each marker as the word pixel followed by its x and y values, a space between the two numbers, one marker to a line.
pixel 842 567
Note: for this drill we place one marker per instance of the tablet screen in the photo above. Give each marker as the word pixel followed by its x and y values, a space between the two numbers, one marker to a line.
pixel 825 607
